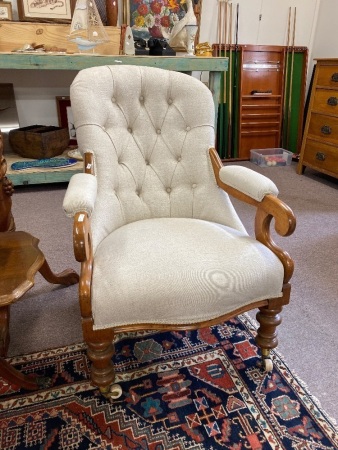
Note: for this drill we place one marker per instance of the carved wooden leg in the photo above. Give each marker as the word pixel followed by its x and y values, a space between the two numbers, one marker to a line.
pixel 4 330
pixel 102 370
pixel 266 337
pixel 66 278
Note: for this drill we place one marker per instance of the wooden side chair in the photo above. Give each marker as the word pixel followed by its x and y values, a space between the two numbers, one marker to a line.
pixel 160 244
pixel 20 260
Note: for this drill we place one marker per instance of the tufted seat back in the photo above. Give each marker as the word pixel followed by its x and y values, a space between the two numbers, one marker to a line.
pixel 150 131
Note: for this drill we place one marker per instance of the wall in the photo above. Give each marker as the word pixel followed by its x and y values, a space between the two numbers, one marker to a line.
pixel 326 33
pixel 260 22
pixel 264 22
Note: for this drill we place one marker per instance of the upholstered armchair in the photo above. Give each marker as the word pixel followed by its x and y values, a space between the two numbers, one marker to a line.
pixel 160 243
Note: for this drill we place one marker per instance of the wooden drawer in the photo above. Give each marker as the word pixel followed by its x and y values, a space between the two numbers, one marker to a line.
pixel 328 76
pixel 326 101
pixel 321 156
pixel 323 127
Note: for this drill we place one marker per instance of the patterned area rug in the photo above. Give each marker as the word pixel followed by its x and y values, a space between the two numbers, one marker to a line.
pixel 181 391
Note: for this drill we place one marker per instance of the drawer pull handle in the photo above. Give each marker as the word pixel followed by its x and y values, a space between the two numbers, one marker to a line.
pixel 332 101
pixel 320 156
pixel 334 77
pixel 325 129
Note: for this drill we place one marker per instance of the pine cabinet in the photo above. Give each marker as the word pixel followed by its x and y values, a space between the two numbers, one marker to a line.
pixel 320 141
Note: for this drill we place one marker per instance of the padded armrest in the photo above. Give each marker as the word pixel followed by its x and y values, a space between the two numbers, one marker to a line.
pixel 248 181
pixel 80 195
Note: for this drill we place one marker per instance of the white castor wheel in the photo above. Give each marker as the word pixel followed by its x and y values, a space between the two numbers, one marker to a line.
pixel 113 392
pixel 267 364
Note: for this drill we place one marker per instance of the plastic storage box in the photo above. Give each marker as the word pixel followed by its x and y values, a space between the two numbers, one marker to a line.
pixel 270 157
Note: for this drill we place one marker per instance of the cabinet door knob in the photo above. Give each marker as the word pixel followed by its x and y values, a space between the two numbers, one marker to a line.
pixel 334 77
pixel 332 101
pixel 325 129
pixel 320 156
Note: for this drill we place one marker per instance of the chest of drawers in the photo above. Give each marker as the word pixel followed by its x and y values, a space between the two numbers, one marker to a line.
pixel 320 141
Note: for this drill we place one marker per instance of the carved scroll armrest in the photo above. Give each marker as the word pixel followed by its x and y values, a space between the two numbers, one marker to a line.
pixel 79 203
pixel 257 190
pixel 83 253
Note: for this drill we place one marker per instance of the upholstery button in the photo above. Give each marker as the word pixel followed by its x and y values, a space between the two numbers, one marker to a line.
pixel 158 131
pixel 168 190
pixel 179 159
pixel 130 130
pixel 147 162
pixel 170 101
pixel 194 185
pixel 113 99
pixel 138 193
pixel 141 98
pixel 188 128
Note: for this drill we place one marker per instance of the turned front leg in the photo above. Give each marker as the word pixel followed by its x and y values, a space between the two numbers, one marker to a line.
pixel 102 370
pixel 266 337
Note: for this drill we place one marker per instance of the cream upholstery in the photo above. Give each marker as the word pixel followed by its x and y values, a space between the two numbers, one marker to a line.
pixel 168 245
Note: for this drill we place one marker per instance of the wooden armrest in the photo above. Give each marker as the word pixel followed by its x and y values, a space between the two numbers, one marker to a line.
pixel 271 207
pixel 84 253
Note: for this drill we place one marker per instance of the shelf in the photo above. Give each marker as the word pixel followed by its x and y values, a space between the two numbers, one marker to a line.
pixel 40 176
pixel 44 61
pixel 215 66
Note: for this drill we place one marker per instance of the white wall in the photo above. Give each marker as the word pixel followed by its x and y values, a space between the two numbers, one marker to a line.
pixel 264 22
pixel 326 33
pixel 261 22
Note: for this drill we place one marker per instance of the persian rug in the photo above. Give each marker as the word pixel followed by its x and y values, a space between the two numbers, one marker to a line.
pixel 191 390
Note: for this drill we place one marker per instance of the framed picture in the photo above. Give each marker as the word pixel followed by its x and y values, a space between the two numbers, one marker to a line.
pixel 6 11
pixel 58 11
pixel 65 117
pixel 151 17
pixel 155 18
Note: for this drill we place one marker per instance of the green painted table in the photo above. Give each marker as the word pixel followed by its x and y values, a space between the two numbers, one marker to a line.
pixel 76 62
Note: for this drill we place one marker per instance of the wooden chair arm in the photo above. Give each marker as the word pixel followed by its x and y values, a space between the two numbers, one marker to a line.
pixel 269 208
pixel 84 253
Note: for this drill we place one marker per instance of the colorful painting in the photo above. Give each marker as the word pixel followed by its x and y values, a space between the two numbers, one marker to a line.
pixel 155 18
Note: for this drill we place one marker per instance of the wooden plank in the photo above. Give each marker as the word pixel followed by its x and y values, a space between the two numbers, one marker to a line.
pixel 13 35
pixel 25 179
pixel 78 62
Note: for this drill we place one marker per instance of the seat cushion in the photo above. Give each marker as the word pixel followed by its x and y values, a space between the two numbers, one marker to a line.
pixel 179 270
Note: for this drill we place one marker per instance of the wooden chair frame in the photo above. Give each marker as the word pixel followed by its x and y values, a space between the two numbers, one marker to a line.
pixel 100 342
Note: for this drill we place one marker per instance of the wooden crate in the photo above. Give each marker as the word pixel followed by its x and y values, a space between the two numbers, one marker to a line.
pixel 13 35
pixel 39 141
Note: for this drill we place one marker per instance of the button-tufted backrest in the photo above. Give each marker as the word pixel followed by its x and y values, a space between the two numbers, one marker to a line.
pixel 150 131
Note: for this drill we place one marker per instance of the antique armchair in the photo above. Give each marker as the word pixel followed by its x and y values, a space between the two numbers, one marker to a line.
pixel 160 244
pixel 20 260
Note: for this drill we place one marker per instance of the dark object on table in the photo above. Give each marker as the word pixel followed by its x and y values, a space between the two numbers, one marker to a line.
pixel 160 47
pixel 141 47
pixel 39 141
pixel 156 47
